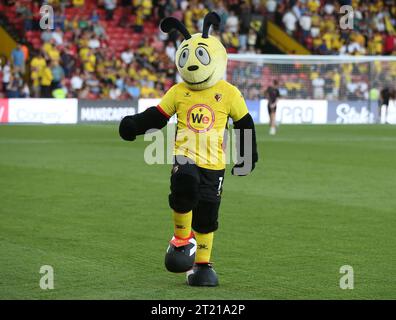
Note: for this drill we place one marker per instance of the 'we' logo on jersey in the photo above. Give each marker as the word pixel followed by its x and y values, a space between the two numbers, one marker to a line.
pixel 200 118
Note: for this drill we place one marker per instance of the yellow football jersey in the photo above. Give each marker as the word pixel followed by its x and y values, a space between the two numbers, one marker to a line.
pixel 202 118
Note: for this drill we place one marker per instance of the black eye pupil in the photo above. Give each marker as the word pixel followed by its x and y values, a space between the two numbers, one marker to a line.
pixel 184 54
pixel 200 52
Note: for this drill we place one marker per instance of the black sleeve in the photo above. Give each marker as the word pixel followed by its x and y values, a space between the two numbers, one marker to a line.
pixel 246 123
pixel 132 126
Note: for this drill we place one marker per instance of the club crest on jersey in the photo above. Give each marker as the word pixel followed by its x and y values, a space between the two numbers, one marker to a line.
pixel 200 118
pixel 218 96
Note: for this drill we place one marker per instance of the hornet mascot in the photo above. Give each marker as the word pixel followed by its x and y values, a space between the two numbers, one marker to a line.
pixel 203 103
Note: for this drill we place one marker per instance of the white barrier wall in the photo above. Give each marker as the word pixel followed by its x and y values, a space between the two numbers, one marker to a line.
pixel 296 111
pixel 70 111
pixel 47 111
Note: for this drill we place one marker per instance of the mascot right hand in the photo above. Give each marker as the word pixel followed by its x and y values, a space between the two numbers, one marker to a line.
pixel 138 124
pixel 127 128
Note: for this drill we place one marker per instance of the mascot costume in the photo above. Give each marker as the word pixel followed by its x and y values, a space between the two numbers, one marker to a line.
pixel 203 103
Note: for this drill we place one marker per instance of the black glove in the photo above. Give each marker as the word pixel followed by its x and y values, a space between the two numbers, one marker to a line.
pixel 132 126
pixel 242 168
pixel 127 128
pixel 240 171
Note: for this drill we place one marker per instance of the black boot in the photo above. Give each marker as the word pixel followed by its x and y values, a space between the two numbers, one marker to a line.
pixel 202 275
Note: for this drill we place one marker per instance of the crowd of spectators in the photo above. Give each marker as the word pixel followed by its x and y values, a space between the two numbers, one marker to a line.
pixel 76 58
pixel 331 81
pixel 329 27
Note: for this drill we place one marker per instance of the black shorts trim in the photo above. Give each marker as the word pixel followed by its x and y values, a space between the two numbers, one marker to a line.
pixel 210 181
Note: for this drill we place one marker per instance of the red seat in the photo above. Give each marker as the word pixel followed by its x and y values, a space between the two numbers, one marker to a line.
pixel 36 46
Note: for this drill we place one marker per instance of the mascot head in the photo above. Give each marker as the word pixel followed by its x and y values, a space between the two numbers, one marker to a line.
pixel 201 59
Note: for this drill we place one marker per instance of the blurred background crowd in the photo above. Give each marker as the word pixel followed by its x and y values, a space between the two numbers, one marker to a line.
pixel 109 49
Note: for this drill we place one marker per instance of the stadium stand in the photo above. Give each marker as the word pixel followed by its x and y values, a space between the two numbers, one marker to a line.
pixel 113 49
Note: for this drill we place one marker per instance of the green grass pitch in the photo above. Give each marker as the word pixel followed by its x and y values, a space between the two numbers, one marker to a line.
pixel 83 201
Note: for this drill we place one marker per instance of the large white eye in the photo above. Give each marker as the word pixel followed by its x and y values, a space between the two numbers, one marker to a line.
pixel 183 58
pixel 202 55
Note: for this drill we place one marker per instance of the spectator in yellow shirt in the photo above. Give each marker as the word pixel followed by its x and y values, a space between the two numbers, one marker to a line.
pixel 328 40
pixel 147 92
pixel 54 54
pixel 188 20
pixel 336 42
pixel 359 38
pixel 313 5
pixel 90 61
pixel 329 24
pixel 78 3
pixel 139 21
pixel 132 71
pixel 84 51
pixel 317 42
pixel 378 43
pixel 147 6
pixel 35 79
pixel 47 46
pixel 337 83
pixel 45 81
pixel 38 62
